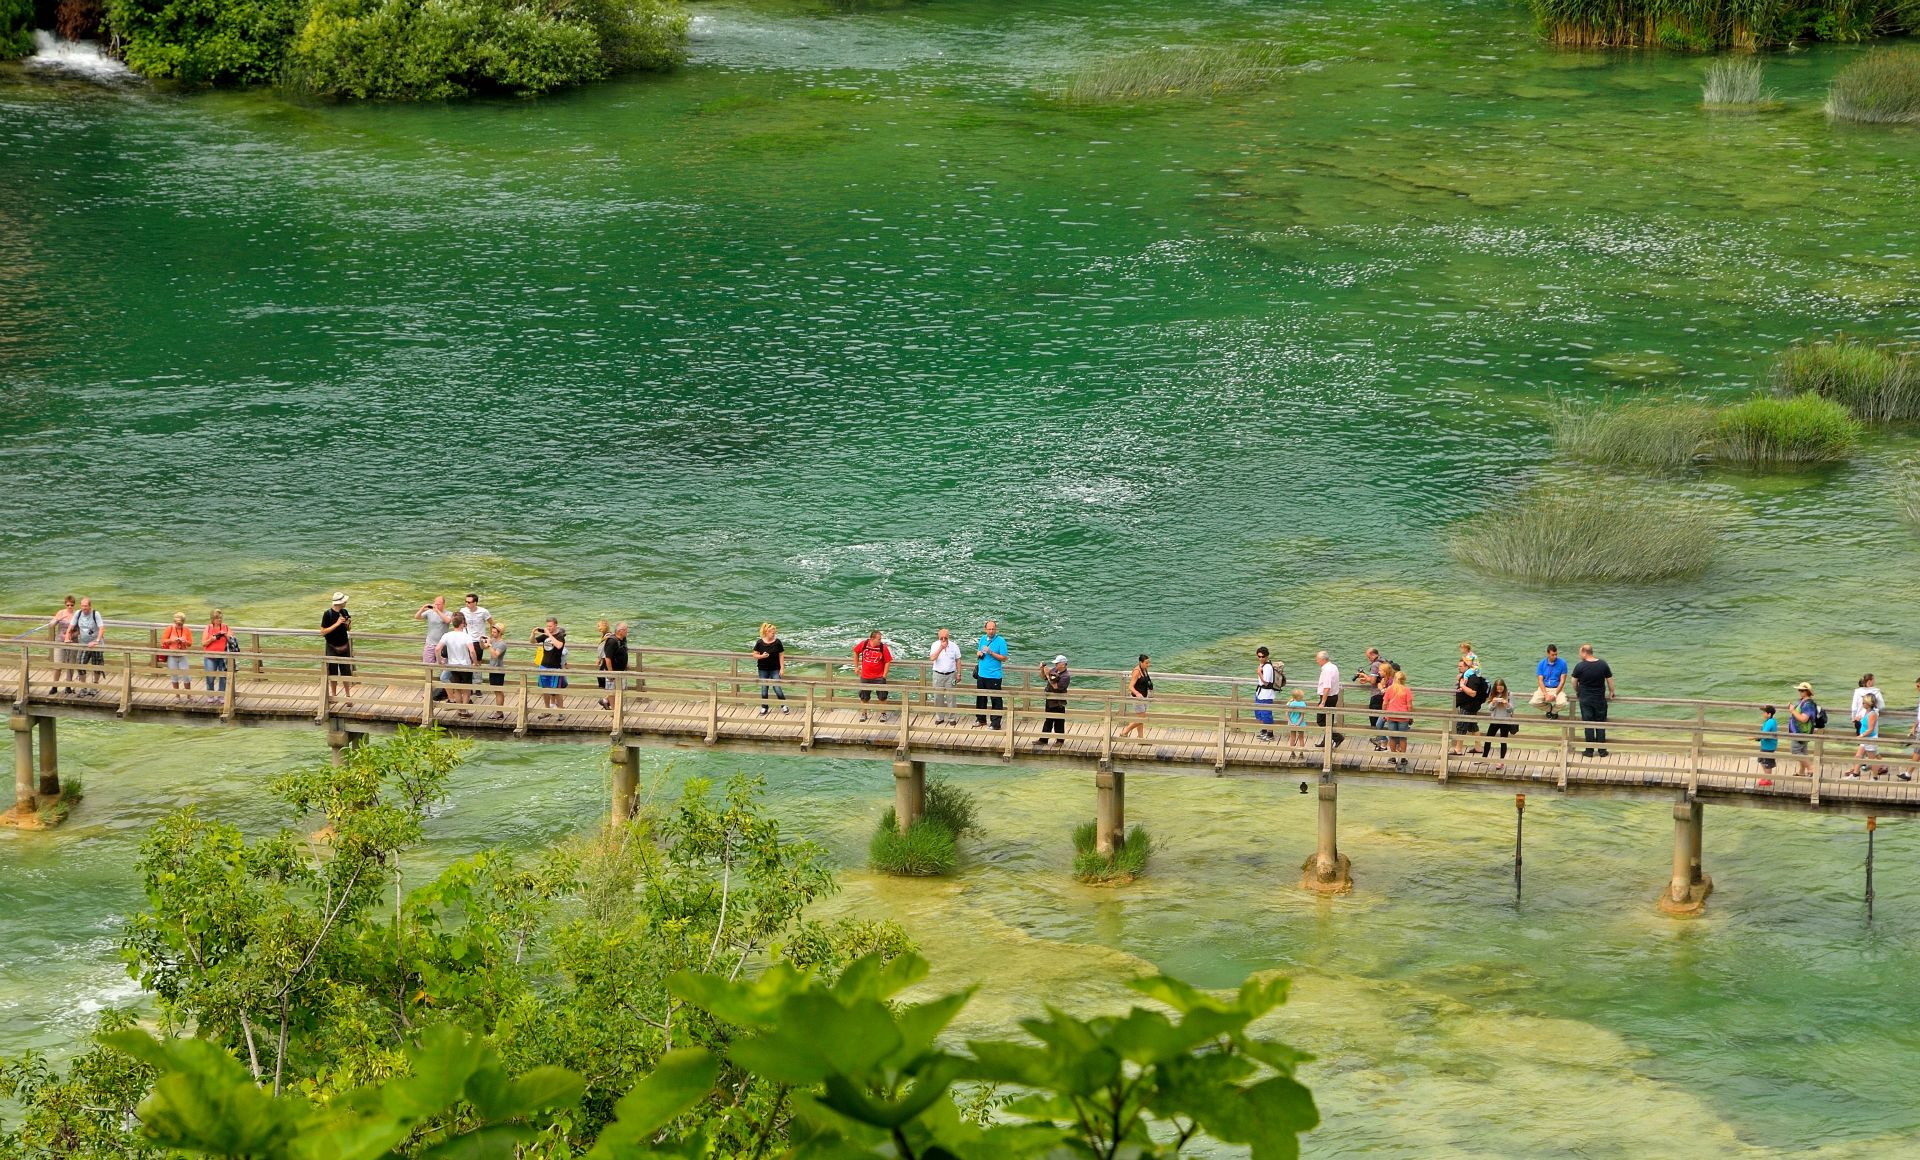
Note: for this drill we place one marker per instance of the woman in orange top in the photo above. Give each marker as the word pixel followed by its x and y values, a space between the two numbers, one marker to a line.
pixel 217 641
pixel 1397 705
pixel 175 641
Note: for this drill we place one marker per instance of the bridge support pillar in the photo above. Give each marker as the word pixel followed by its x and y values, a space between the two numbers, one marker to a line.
pixel 49 757
pixel 1328 871
pixel 1110 816
pixel 626 782
pixel 23 803
pixel 1687 890
pixel 909 793
pixel 339 740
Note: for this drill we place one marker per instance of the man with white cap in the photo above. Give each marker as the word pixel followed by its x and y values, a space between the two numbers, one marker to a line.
pixel 336 630
pixel 1058 680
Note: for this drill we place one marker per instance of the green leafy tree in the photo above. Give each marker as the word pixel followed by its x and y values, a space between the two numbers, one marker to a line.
pixel 16 28
pixel 86 1113
pixel 204 42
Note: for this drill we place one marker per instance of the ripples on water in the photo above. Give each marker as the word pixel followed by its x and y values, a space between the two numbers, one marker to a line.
pixel 849 324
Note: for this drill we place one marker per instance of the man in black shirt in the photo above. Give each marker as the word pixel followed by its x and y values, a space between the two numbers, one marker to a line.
pixel 613 657
pixel 336 632
pixel 1593 685
pixel 1469 694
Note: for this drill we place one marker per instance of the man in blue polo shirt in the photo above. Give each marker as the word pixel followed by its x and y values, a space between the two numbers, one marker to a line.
pixel 1552 693
pixel 990 659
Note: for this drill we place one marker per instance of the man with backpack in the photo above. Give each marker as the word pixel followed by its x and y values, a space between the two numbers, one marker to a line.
pixel 1268 677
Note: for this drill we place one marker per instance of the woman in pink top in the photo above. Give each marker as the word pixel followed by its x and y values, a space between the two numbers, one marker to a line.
pixel 175 640
pixel 1396 707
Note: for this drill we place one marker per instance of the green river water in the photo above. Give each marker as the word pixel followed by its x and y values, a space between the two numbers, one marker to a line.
pixel 849 323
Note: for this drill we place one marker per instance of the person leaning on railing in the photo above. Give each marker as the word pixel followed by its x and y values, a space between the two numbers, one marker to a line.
pixel 216 641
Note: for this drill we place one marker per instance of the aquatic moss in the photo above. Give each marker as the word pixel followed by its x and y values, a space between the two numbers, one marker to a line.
pixel 1660 435
pixel 1882 88
pixel 1176 71
pixel 1876 383
pixel 1734 83
pixel 1769 432
pixel 1591 534
pixel 1129 859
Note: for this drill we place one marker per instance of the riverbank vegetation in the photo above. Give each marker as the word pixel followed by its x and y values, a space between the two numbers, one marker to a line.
pixel 1705 25
pixel 1192 71
pixel 1587 533
pixel 1879 384
pixel 657 989
pixel 1127 862
pixel 931 846
pixel 1882 87
pixel 393 49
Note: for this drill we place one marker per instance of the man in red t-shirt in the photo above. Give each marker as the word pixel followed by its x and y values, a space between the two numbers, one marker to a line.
pixel 871 657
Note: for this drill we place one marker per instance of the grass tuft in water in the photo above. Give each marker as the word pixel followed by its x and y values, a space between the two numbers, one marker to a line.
pixel 951 806
pixel 926 850
pixel 1877 384
pixel 1590 535
pixel 1659 435
pixel 1128 862
pixel 1881 88
pixel 1770 433
pixel 1182 71
pixel 1734 83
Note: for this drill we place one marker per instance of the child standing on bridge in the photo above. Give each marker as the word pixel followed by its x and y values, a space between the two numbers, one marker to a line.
pixel 1769 742
pixel 1296 721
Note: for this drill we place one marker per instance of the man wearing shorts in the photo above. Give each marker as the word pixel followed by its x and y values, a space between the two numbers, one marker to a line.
pixel 456 652
pixel 1551 694
pixel 336 634
pixel 871 659
pixel 1800 718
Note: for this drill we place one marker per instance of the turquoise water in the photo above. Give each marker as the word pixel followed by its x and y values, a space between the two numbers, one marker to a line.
pixel 850 323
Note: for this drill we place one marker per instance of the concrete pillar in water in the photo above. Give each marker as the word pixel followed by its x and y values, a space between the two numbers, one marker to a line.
pixel 909 793
pixel 1110 813
pixel 49 758
pixel 1687 889
pixel 626 782
pixel 22 727
pixel 337 741
pixel 1328 871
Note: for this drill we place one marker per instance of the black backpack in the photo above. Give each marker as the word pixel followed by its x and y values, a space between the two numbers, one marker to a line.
pixel 1819 716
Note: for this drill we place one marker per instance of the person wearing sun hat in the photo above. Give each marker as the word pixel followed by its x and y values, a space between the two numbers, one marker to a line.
pixel 336 630
pixel 1800 722
pixel 1058 680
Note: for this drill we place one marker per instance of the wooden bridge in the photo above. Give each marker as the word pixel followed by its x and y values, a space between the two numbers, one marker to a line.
pixel 1687 752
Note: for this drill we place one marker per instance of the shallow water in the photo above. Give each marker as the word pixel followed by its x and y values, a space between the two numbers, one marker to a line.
pixel 850 323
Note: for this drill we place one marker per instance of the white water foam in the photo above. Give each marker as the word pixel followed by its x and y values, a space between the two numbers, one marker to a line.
pixel 78 57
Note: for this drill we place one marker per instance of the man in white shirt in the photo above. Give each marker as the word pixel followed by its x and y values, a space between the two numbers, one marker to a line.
pixel 1329 690
pixel 944 659
pixel 477 618
pixel 457 653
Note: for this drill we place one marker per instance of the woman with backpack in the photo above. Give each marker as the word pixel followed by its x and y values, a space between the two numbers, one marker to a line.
pixel 1803 717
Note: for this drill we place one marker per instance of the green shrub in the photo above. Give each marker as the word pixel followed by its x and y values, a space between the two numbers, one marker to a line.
pixel 1618 535
pixel 204 42
pixel 1660 435
pixel 16 28
pixel 1767 432
pixel 1734 83
pixel 1877 384
pixel 1699 25
pixel 1185 71
pixel 1129 860
pixel 1882 87
pixel 927 849
pixel 951 806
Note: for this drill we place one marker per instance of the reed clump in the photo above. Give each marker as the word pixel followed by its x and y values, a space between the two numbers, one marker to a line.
pixel 1735 83
pixel 1128 862
pixel 1175 71
pixel 1662 436
pixel 1704 25
pixel 1587 535
pixel 1881 88
pixel 931 846
pixel 1876 383
pixel 1767 433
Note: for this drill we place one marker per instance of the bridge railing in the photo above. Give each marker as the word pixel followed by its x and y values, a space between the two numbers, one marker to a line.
pixel 1713 748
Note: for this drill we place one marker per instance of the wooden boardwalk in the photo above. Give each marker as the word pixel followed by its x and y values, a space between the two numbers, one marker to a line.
pixel 1666 749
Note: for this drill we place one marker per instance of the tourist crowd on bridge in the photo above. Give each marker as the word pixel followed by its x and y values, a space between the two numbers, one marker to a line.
pixel 474 646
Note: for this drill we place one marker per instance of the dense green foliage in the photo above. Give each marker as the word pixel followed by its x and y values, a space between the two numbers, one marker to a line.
pixel 1650 434
pixel 204 42
pixel 931 845
pixel 1882 87
pixel 1127 862
pixel 397 49
pixel 1178 71
pixel 1769 432
pixel 16 28
pixel 1876 383
pixel 1703 25
pixel 654 992
pixel 1588 534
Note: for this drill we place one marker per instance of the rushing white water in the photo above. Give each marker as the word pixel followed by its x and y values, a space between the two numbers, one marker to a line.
pixel 79 57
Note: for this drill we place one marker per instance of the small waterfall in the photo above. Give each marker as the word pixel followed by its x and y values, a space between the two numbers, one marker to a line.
pixel 76 57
